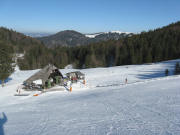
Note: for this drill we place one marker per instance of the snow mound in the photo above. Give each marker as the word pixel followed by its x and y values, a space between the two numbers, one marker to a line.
pixel 70 66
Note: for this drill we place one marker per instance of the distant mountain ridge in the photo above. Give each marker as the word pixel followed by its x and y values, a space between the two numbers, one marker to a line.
pixel 74 38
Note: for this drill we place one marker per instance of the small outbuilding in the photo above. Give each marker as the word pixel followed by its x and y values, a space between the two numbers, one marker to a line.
pixel 75 76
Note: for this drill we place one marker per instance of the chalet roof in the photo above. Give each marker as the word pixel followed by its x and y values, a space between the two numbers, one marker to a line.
pixel 43 74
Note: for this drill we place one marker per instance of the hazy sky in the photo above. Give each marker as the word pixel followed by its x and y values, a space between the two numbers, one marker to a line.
pixel 87 16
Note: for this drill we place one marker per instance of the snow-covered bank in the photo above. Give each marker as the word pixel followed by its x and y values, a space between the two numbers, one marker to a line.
pixel 148 104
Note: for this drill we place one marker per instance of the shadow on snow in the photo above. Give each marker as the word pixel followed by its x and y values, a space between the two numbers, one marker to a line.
pixel 7 80
pixel 3 120
pixel 170 65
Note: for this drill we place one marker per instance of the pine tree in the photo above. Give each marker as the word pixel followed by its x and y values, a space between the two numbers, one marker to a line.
pixel 6 67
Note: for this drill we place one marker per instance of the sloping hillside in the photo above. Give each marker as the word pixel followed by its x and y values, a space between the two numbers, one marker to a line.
pixel 148 104
pixel 18 43
pixel 17 40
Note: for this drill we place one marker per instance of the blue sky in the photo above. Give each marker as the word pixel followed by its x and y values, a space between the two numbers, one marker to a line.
pixel 87 16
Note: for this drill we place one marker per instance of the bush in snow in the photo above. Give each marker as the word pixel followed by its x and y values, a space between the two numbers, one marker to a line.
pixel 177 69
pixel 166 72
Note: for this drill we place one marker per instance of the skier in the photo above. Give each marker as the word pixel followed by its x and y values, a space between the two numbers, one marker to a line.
pixel 126 81
pixel 18 90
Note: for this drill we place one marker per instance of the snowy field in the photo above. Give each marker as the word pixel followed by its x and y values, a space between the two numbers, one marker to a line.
pixel 149 104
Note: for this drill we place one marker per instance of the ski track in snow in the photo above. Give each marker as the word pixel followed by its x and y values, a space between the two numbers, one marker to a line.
pixel 149 104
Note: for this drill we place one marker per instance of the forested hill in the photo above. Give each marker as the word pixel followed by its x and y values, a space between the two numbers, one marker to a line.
pixel 18 41
pixel 65 38
pixel 153 46
pixel 14 43
pixel 74 38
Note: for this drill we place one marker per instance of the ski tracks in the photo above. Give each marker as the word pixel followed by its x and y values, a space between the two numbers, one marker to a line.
pixel 137 82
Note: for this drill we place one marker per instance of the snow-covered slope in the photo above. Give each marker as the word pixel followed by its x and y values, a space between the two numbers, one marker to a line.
pixel 148 104
pixel 93 35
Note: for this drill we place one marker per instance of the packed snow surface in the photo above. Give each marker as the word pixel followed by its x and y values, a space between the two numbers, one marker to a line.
pixel 148 104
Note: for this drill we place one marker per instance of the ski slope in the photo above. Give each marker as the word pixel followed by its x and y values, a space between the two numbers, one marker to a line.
pixel 149 104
